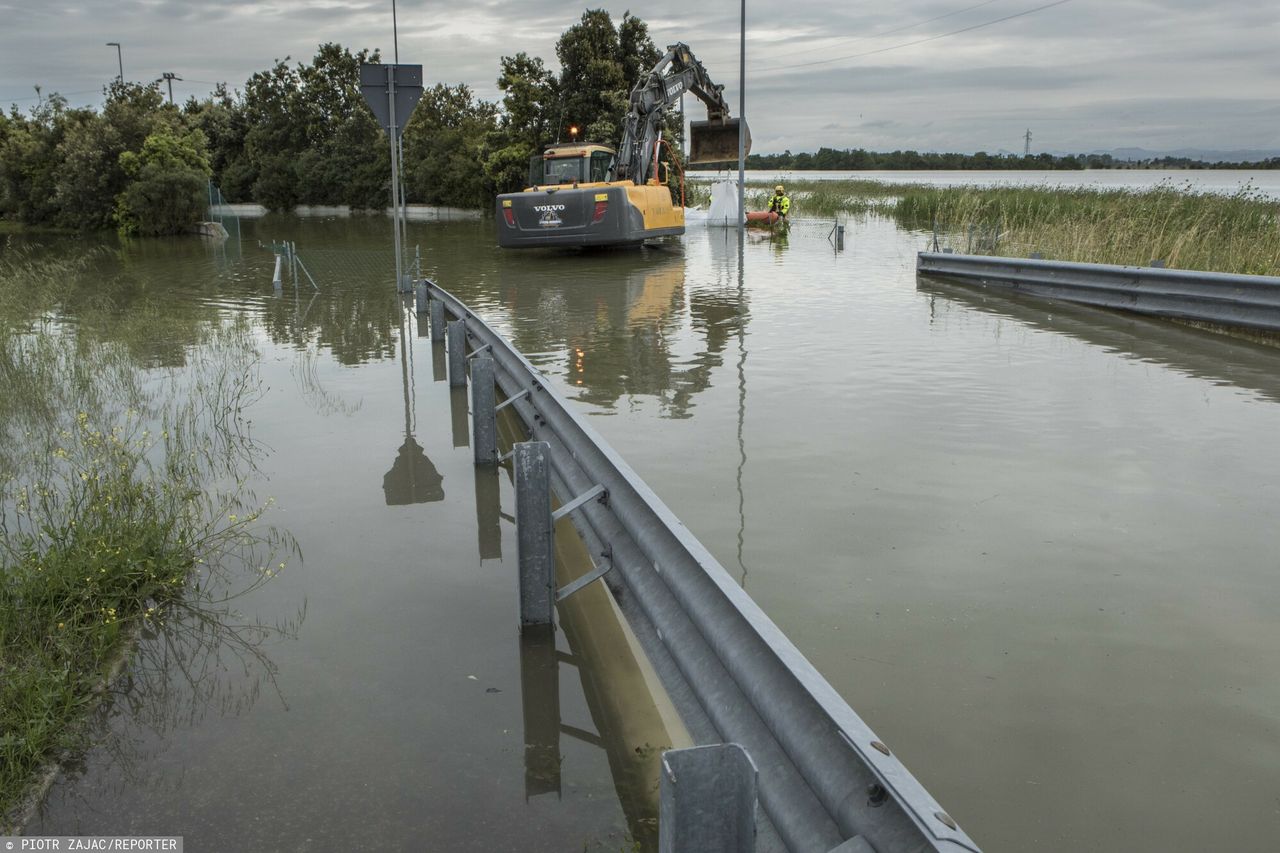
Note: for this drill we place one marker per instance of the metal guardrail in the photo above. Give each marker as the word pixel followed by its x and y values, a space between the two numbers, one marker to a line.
pixel 826 782
pixel 1249 301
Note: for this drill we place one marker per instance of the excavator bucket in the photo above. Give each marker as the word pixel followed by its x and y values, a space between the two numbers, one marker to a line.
pixel 716 141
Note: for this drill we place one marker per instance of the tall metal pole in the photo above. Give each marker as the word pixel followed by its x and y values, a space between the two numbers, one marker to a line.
pixel 742 122
pixel 395 32
pixel 119 57
pixel 394 134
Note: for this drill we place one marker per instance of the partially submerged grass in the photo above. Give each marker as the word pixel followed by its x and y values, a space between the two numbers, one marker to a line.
pixel 120 497
pixel 1180 226
pixel 1239 233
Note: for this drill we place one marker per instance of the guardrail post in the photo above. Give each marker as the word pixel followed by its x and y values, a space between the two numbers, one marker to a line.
pixel 707 800
pixel 484 424
pixel 420 299
pixel 437 320
pixel 456 341
pixel 534 533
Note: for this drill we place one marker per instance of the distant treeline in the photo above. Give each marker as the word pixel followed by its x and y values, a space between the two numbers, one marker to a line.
pixel 301 134
pixel 860 160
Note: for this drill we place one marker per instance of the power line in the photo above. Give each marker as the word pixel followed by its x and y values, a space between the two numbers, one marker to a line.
pixel 54 92
pixel 918 41
pixel 884 33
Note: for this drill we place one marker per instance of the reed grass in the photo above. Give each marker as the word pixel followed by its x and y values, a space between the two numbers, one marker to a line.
pixel 1178 225
pixel 1238 233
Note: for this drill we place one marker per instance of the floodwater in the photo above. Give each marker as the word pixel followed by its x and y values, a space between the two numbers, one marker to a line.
pixel 1034 546
pixel 1220 181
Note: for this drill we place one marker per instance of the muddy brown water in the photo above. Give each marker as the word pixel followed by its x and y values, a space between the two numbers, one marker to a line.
pixel 1034 546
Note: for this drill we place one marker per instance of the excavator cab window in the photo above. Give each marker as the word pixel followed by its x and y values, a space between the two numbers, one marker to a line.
pixel 567 170
pixel 600 163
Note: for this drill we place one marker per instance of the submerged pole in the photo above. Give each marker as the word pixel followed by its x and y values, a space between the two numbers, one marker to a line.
pixel 484 424
pixel 456 341
pixel 534 533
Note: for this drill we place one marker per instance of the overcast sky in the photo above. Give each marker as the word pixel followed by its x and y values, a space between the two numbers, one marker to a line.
pixel 1082 75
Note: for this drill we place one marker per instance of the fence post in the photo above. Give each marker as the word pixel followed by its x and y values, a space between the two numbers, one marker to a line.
pixel 484 423
pixel 707 800
pixel 437 320
pixel 456 340
pixel 534 533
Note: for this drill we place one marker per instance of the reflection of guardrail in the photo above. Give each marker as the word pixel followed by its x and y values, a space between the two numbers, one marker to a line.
pixel 1250 301
pixel 826 782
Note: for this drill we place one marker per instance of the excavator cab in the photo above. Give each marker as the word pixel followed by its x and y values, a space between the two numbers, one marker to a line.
pixel 716 140
pixel 571 163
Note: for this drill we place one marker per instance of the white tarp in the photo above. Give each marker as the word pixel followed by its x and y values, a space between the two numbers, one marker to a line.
pixel 724 205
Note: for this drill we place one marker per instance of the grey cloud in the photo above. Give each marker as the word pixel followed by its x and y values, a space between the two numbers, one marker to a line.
pixel 1088 74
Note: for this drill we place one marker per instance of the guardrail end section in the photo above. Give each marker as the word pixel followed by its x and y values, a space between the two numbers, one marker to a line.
pixel 707 800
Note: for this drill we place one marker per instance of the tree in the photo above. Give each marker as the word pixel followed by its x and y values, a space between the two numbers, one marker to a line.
pixel 168 178
pixel 444 144
pixel 599 66
pixel 530 106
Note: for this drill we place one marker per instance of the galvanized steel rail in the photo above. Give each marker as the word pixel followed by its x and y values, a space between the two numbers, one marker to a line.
pixel 826 782
pixel 1247 301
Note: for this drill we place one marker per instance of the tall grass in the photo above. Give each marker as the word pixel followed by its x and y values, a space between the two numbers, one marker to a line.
pixel 1183 227
pixel 1191 230
pixel 121 495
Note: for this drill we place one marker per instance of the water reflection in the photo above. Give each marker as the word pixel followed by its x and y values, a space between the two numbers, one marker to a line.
pixel 1219 359
pixel 413 477
pixel 488 512
pixel 620 321
pixel 200 657
pixel 540 706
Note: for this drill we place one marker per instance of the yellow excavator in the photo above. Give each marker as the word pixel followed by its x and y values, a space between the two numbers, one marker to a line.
pixel 586 194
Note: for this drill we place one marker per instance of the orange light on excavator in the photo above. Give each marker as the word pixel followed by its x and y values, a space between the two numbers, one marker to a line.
pixel 573 132
pixel 507 213
pixel 602 206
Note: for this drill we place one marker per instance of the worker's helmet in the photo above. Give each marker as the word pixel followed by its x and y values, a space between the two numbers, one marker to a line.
pixel 778 188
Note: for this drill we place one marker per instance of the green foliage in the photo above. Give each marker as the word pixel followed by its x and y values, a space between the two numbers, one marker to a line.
pixel 530 105
pixel 600 65
pixel 167 186
pixel 303 134
pixel 444 142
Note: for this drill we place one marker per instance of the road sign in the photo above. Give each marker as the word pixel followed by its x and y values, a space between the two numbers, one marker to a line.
pixel 385 85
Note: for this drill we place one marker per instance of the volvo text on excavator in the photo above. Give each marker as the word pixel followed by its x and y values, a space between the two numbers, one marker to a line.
pixel 592 195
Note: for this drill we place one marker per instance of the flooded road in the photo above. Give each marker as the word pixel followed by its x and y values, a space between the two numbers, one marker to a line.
pixel 1034 546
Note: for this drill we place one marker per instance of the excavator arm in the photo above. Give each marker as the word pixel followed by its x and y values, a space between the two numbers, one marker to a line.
pixel 713 140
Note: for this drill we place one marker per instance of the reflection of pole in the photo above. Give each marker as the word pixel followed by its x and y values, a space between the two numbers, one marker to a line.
pixel 488 512
pixel 742 406
pixel 742 123
pixel 394 133
pixel 540 702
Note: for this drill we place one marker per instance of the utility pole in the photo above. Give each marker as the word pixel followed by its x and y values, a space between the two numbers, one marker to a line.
pixel 1026 148
pixel 170 77
pixel 742 123
pixel 119 58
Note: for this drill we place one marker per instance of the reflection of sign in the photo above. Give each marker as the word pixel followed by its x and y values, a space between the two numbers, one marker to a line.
pixel 551 219
pixel 413 479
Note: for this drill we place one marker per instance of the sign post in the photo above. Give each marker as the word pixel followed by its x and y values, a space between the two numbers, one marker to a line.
pixel 392 91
